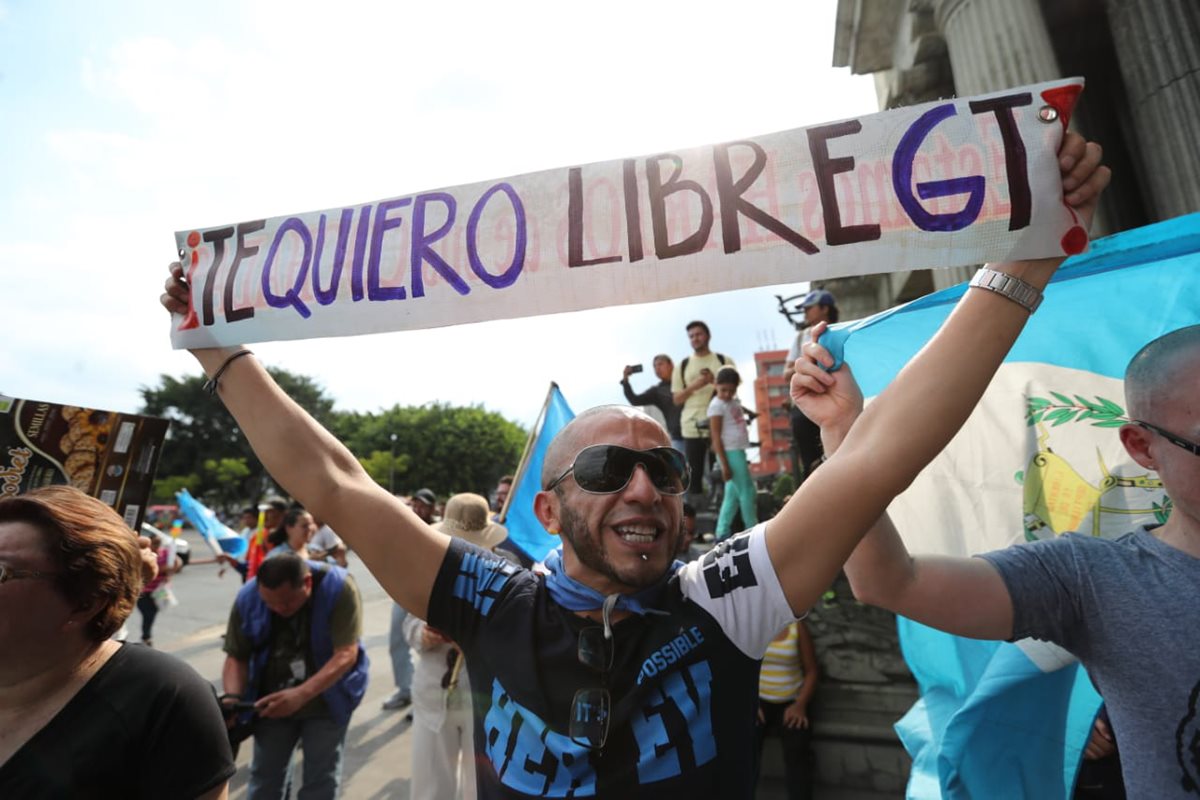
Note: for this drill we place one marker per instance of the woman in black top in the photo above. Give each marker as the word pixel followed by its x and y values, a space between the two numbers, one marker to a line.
pixel 82 716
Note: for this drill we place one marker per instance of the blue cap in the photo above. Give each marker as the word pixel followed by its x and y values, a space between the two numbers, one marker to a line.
pixel 818 297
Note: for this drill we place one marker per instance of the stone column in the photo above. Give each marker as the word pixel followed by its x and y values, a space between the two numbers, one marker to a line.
pixel 994 45
pixel 1158 48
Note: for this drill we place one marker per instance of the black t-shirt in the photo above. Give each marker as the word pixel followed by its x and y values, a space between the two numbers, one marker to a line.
pixel 145 726
pixel 684 684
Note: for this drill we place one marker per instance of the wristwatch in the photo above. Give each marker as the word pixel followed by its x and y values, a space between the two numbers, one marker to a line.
pixel 1026 295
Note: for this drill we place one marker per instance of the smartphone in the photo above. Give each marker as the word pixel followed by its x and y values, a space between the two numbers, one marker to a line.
pixel 241 706
pixel 635 368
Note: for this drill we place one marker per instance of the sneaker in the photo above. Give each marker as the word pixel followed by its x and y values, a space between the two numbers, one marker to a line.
pixel 397 700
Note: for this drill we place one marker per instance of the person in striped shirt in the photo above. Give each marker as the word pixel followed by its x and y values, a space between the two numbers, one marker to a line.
pixel 785 685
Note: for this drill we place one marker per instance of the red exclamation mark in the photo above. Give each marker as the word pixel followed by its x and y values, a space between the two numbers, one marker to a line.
pixel 191 320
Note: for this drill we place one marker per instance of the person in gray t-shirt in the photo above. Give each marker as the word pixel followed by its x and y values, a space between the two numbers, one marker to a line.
pixel 1127 608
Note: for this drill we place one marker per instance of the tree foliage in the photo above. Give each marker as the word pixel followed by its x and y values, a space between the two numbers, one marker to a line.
pixel 202 430
pixel 446 448
pixel 388 470
pixel 449 448
pixel 784 485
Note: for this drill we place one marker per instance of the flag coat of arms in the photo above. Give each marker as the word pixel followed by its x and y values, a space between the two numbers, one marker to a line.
pixel 1039 457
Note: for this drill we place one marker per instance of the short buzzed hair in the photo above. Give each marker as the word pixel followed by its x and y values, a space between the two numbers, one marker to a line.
pixel 662 357
pixel 1154 368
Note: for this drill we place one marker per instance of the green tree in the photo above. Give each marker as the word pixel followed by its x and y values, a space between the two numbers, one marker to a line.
pixel 785 484
pixel 165 488
pixel 385 468
pixel 449 449
pixel 202 430
pixel 225 476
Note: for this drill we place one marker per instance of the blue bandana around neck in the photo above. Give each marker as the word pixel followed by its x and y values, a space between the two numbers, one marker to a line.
pixel 575 596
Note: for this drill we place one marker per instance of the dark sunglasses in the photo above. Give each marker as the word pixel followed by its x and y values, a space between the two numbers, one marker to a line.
pixel 608 468
pixel 591 708
pixel 1179 441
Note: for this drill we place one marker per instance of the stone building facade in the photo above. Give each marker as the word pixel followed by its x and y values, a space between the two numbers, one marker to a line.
pixel 1141 59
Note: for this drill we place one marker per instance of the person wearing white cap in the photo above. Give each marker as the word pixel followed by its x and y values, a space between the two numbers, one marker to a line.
pixel 443 751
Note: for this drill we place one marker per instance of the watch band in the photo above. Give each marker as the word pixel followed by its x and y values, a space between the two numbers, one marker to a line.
pixel 1026 295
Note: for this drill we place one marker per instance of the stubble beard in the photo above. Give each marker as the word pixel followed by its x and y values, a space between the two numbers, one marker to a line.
pixel 590 550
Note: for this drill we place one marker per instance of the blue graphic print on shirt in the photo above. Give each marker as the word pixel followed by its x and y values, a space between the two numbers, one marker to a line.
pixel 481 579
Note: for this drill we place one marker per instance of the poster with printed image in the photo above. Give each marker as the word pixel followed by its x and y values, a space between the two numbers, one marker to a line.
pixel 110 455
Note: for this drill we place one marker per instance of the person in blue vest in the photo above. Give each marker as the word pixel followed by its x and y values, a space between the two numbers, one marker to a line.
pixel 294 649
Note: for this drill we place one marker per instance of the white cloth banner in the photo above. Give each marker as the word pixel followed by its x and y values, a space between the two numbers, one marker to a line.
pixel 944 184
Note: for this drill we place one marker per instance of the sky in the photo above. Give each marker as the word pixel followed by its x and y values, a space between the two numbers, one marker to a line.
pixel 123 122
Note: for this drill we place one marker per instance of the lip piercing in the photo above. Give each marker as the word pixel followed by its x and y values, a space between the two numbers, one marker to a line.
pixel 645 557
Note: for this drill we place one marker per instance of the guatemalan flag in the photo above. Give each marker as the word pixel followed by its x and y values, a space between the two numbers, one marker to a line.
pixel 1038 457
pixel 525 532
pixel 216 534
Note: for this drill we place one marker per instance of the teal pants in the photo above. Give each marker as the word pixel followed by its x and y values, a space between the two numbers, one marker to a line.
pixel 739 491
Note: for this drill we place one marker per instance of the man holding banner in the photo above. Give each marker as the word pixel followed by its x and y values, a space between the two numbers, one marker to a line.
pixel 1125 607
pixel 600 678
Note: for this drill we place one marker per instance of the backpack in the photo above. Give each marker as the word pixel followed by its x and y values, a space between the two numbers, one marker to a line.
pixel 683 365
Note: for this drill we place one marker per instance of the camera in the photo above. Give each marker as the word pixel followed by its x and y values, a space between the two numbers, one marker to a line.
pixel 635 368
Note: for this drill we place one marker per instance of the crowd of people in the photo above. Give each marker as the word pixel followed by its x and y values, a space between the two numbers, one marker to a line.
pixel 614 667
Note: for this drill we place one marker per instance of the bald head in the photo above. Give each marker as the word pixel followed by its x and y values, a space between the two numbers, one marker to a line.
pixel 1154 374
pixel 576 435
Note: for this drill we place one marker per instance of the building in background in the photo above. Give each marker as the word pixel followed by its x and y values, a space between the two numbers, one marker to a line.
pixel 1141 60
pixel 771 402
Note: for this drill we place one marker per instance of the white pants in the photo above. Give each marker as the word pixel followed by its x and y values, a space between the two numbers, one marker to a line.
pixel 444 760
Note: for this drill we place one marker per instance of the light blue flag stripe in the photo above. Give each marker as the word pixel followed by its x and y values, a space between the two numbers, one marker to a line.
pixel 1099 309
pixel 524 530
pixel 219 537
pixel 990 723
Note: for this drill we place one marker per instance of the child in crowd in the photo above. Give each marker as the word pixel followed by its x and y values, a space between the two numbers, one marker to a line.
pixel 730 438
pixel 785 686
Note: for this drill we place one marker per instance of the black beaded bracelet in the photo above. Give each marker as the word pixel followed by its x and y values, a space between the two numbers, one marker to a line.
pixel 210 385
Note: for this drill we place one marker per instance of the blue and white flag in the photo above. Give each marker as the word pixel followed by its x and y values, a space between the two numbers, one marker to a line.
pixel 1039 456
pixel 525 532
pixel 221 538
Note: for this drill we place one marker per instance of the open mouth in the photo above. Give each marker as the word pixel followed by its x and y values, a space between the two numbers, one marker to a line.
pixel 636 534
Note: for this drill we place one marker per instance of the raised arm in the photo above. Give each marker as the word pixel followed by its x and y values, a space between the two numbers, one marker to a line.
pixel 963 596
pixel 909 423
pixel 401 551
pixel 645 398
pixel 922 588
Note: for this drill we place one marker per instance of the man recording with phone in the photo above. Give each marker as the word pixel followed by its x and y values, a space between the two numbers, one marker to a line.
pixel 659 395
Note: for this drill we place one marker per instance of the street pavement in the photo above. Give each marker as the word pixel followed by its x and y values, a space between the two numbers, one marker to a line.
pixel 378 758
